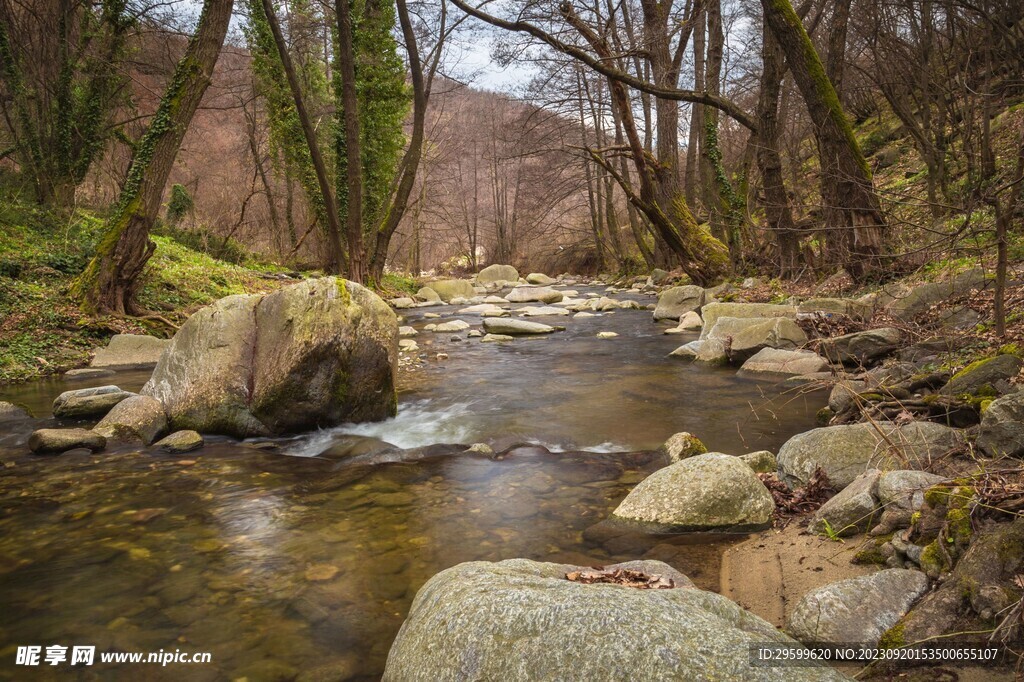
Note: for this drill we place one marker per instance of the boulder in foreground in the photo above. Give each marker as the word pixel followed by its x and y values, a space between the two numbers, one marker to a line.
pixel 523 620
pixel 311 355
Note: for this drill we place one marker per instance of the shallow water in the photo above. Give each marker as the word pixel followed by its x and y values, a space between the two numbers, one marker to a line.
pixel 281 565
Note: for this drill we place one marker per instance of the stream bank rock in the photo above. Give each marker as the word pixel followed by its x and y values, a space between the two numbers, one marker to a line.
pixel 712 311
pixel 1002 426
pixel 712 490
pixel 777 361
pixel 990 377
pixel 130 350
pixel 845 452
pixel 861 348
pixel 675 302
pixel 743 337
pixel 311 355
pixel 858 609
pixel 522 620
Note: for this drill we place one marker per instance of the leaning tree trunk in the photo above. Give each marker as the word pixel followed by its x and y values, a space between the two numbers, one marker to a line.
pixel 853 215
pixel 109 283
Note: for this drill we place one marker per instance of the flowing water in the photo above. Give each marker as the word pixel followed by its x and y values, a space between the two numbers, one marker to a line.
pixel 285 565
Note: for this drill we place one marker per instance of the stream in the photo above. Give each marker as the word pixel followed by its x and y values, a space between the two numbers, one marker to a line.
pixel 284 565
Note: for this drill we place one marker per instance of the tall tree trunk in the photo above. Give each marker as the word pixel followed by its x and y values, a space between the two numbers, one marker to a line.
pixel 353 149
pixel 330 205
pixel 776 202
pixel 109 283
pixel 852 212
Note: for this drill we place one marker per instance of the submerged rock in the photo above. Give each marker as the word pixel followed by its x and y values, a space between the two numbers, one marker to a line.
pixel 10 412
pixel 130 350
pixel 856 610
pixel 1002 426
pixel 180 442
pixel 137 418
pixel 311 355
pixel 88 403
pixel 56 441
pixel 496 338
pixel 844 452
pixel 498 325
pixel 522 620
pixel 704 492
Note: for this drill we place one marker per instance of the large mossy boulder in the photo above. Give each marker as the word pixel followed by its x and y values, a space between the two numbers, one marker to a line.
pixel 447 289
pixel 861 348
pixel 712 311
pixel 497 273
pixel 1002 426
pixel 857 610
pixel 311 355
pixel 523 620
pixel 702 492
pixel 845 452
pixel 675 302
pixel 989 377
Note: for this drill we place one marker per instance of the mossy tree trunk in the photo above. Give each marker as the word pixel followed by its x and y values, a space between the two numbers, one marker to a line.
pixel 109 283
pixel 776 201
pixel 853 216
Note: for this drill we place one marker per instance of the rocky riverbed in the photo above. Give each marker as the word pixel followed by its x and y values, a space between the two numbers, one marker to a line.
pixel 530 421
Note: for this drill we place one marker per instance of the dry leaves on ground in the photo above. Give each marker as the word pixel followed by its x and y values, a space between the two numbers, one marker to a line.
pixel 622 576
pixel 802 500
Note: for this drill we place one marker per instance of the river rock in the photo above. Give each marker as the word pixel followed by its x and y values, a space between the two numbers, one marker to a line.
pixel 488 309
pixel 742 338
pixel 712 311
pixel 86 403
pixel 498 325
pixel 858 310
pixel 496 338
pixel 408 345
pixel 905 489
pixel 856 610
pixel 137 418
pixel 498 273
pixel 10 412
pixel 180 442
pixel 530 294
pixel 402 303
pixel 989 377
pixel 56 441
pixel 689 321
pixel 675 302
pixel 311 355
pixel 1002 426
pixel 707 491
pixel 683 445
pixel 427 294
pixel 84 373
pixel 522 620
pixel 711 351
pixel 542 311
pixel 761 461
pixel 906 306
pixel 852 510
pixel 861 348
pixel 406 332
pixel 845 452
pixel 447 289
pixel 784 362
pixel 451 326
pixel 539 278
pixel 130 350
pixel 658 276
pixel 606 335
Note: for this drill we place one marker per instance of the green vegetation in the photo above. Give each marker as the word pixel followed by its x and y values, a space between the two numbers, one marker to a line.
pixel 43 332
